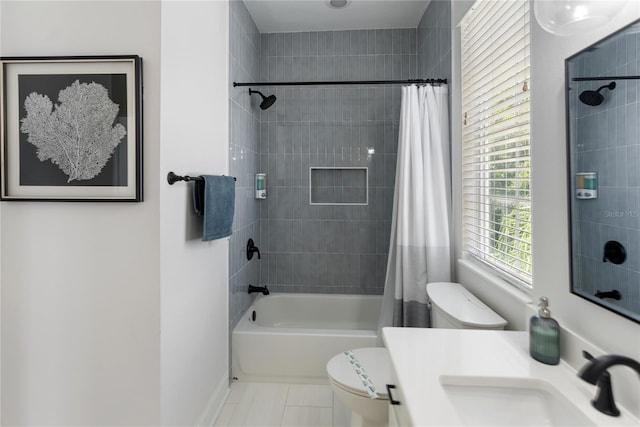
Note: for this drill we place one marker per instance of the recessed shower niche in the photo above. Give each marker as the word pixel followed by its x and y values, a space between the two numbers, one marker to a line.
pixel 338 185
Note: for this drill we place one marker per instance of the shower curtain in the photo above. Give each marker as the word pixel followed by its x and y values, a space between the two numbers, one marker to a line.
pixel 419 249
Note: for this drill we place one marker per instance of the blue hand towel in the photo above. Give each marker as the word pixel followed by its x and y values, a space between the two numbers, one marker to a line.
pixel 214 198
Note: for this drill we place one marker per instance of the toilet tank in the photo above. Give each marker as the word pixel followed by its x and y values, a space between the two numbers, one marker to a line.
pixel 454 307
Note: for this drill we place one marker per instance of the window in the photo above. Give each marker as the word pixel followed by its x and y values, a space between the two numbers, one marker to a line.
pixel 495 137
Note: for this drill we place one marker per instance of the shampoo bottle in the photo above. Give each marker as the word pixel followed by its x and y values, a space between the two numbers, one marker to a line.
pixel 544 335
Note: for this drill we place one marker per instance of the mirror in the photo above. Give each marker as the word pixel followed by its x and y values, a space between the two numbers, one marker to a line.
pixel 603 107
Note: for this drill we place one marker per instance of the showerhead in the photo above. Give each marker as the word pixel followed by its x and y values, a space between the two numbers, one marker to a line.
pixel 594 97
pixel 267 101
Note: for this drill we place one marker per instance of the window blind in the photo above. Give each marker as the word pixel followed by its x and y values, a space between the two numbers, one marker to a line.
pixel 495 137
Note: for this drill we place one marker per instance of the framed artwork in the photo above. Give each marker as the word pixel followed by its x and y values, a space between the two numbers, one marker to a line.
pixel 71 128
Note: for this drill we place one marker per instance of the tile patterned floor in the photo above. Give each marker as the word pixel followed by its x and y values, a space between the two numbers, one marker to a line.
pixel 290 405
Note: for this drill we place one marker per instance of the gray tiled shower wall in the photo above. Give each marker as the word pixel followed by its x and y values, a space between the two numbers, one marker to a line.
pixel 328 249
pixel 244 157
pixel 434 41
pixel 609 144
pixel 340 248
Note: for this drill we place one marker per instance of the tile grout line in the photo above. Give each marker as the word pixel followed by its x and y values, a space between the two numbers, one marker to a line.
pixel 284 407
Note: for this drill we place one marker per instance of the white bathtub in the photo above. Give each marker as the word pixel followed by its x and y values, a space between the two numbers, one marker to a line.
pixel 294 335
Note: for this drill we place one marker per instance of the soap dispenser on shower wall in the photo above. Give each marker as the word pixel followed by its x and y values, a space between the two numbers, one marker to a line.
pixel 261 186
pixel 544 335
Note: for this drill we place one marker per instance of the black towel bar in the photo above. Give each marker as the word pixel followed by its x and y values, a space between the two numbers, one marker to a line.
pixel 172 178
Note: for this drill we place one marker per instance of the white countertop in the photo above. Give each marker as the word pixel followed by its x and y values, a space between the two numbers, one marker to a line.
pixel 421 356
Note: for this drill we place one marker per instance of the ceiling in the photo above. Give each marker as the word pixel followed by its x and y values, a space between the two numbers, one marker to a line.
pixel 275 16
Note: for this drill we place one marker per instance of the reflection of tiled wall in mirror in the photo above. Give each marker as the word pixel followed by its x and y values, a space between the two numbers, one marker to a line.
pixel 606 140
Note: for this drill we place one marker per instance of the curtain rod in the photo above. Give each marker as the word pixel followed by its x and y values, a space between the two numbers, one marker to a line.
pixel 586 79
pixel 346 82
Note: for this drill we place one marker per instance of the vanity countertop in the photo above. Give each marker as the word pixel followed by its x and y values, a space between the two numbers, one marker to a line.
pixel 423 358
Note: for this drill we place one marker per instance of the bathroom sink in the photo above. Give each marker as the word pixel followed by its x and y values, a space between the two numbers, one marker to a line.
pixel 510 402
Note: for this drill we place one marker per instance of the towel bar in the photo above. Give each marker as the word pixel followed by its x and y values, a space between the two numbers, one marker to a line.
pixel 172 178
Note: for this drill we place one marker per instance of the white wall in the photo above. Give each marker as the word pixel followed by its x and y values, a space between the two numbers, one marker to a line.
pixel 116 313
pixel 194 274
pixel 80 295
pixel 0 265
pixel 608 332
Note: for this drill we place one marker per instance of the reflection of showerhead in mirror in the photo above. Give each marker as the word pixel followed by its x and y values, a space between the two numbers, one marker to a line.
pixel 267 101
pixel 594 97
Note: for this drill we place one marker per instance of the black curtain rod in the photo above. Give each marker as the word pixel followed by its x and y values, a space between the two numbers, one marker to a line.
pixel 346 82
pixel 587 79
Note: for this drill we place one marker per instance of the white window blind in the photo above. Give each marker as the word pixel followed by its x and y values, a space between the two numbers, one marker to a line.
pixel 495 140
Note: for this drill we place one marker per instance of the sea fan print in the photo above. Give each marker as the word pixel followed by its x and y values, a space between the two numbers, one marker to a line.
pixel 77 134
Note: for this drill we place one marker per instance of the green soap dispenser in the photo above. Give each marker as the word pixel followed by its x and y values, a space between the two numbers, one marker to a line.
pixel 544 335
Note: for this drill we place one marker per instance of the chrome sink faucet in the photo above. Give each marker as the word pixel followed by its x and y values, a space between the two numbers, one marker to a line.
pixel 595 372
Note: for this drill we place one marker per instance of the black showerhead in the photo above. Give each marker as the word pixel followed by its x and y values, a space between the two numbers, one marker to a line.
pixel 267 101
pixel 594 97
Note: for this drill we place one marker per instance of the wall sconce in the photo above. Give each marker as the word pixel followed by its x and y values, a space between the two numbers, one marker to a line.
pixel 570 17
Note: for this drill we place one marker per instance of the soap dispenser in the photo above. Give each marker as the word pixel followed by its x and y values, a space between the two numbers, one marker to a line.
pixel 544 335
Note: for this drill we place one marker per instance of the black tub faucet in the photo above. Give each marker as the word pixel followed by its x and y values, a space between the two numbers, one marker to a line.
pixel 595 372
pixel 262 289
pixel 614 293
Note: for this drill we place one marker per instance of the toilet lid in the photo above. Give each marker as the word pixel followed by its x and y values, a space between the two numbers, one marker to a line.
pixel 458 303
pixel 374 361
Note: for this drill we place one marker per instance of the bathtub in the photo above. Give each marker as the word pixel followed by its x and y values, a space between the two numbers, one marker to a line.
pixel 293 336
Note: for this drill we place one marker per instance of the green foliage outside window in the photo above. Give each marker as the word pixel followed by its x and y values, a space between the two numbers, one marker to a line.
pixel 510 204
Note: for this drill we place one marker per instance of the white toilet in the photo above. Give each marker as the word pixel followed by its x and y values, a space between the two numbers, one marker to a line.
pixel 452 307
pixel 350 387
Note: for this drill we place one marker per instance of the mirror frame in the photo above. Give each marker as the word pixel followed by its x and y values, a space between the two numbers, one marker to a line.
pixel 571 174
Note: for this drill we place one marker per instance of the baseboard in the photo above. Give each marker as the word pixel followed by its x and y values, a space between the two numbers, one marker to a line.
pixel 215 404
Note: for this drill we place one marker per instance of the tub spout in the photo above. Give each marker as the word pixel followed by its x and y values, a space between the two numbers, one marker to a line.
pixel 262 289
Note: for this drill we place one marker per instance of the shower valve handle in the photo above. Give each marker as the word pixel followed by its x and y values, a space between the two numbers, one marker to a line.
pixel 251 249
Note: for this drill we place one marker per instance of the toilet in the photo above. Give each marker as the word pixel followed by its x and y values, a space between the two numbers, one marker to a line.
pixel 452 307
pixel 349 387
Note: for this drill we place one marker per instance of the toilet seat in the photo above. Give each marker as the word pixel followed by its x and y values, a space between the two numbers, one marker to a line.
pixel 374 360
